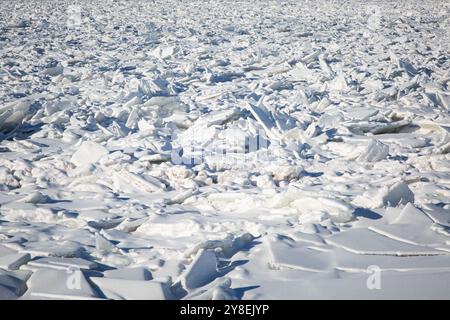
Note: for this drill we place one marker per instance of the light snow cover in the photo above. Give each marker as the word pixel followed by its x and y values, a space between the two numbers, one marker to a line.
pixel 224 149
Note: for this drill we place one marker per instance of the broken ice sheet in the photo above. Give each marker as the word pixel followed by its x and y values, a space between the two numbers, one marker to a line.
pixel 88 152
pixel 291 254
pixel 121 289
pixel 370 242
pixel 59 284
pixel 160 137
pixel 12 284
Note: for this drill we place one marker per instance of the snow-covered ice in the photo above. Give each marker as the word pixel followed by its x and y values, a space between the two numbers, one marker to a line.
pixel 224 149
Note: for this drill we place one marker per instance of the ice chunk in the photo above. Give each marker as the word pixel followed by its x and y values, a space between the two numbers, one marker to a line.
pixel 225 248
pixel 88 153
pixel 163 52
pixel 121 289
pixel 13 115
pixel 7 179
pixel 376 127
pixel 176 228
pixel 133 119
pixel 103 245
pixel 399 193
pixel 265 120
pixel 145 127
pixel 219 289
pixel 221 117
pixel 420 234
pixel 325 66
pixel 135 274
pixel 375 151
pixel 34 197
pixel 14 261
pixel 361 114
pixel 54 249
pixel 386 196
pixel 371 85
pixel 285 172
pixel 301 73
pixel 404 64
pixel 157 157
pixel 339 83
pixel 130 225
pixel 162 101
pixel 128 182
pixel 62 263
pixel 59 284
pixel 202 270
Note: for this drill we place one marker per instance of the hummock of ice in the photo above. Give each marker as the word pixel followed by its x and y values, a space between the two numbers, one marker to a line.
pixel 215 150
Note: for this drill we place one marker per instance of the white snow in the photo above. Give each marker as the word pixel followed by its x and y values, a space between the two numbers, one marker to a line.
pixel 224 149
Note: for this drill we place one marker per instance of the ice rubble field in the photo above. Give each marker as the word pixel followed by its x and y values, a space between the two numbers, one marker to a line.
pixel 224 150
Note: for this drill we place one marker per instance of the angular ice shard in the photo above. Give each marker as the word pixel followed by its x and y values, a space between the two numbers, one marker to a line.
pixel 89 152
pixel 11 285
pixel 375 151
pixel 202 270
pixel 103 245
pixel 396 194
pixel 14 261
pixel 386 196
pixel 13 114
pixel 411 215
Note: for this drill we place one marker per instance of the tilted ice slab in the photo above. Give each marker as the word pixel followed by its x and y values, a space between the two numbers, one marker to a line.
pixel 202 270
pixel 438 215
pixel 121 289
pixel 59 284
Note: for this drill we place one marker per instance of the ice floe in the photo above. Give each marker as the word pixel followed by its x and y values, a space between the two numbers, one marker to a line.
pixel 208 150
